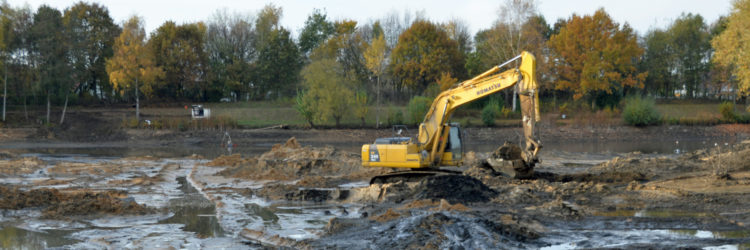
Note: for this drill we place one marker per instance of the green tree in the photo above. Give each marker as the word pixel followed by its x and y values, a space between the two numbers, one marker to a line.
pixel 346 46
pixel 179 52
pixel 732 44
pixel 422 53
pixel 592 56
pixel 658 60
pixel 692 51
pixel 91 32
pixel 50 53
pixel 327 90
pixel 316 30
pixel 231 53
pixel 279 62
pixel 677 58
pixel 17 35
pixel 5 25
pixel 375 61
pixel 131 64
pixel 278 65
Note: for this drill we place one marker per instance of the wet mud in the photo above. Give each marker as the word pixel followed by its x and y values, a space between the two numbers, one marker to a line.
pixel 313 197
pixel 56 204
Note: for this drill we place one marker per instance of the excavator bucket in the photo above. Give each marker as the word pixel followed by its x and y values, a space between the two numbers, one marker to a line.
pixel 508 161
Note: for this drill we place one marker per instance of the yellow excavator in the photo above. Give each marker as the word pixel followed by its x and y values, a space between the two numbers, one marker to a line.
pixel 439 143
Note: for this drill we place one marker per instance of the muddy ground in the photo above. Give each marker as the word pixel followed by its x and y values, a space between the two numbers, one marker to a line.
pixel 306 189
pixel 664 202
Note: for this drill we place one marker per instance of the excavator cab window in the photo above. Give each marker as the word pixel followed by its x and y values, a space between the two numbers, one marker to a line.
pixel 454 142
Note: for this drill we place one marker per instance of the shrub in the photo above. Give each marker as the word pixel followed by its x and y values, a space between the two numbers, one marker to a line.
pixel 727 111
pixel 360 106
pixel 640 112
pixel 743 118
pixel 506 112
pixel 488 114
pixel 395 116
pixel 418 107
pixel 305 107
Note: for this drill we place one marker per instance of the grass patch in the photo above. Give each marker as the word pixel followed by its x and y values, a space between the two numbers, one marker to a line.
pixel 271 113
pixel 703 111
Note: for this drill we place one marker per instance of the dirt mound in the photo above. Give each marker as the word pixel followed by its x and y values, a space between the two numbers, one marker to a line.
pixel 721 161
pixel 454 189
pixel 18 166
pixel 317 195
pixel 559 208
pixel 271 241
pixel 432 230
pixel 607 177
pixel 291 161
pixel 57 204
pixel 234 160
pixel 387 216
pixel 80 168
pixel 85 127
pixel 441 205
pixel 7 155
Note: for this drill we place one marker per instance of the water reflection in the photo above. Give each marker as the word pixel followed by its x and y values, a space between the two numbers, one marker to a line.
pixel 194 211
pixel 12 237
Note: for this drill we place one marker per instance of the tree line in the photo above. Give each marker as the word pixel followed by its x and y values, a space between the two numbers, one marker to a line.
pixel 336 68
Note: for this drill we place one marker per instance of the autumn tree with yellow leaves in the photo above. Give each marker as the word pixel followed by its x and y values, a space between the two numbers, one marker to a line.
pixel 593 56
pixel 132 65
pixel 731 46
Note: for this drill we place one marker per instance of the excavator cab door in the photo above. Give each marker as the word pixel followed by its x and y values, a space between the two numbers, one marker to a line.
pixel 455 145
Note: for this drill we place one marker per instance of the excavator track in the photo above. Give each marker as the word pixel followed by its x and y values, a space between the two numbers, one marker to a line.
pixel 410 175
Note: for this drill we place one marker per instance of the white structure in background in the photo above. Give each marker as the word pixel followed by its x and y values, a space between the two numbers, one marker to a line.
pixel 198 112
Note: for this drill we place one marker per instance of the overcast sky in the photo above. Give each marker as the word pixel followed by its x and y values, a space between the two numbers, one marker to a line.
pixel 479 14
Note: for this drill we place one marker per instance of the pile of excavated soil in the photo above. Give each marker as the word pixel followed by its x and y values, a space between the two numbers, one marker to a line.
pixel 7 155
pixel 86 127
pixel 234 160
pixel 290 161
pixel 79 168
pixel 18 166
pixel 454 188
pixel 57 204
pixel 432 230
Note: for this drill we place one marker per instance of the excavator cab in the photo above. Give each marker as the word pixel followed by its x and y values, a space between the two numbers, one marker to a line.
pixel 454 148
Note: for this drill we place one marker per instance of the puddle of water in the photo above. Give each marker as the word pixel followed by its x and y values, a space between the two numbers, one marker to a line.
pixel 194 211
pixel 12 237
pixel 729 247
pixel 654 213
pixel 658 238
pixel 359 184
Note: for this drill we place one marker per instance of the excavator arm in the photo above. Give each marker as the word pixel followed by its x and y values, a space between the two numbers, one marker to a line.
pixel 487 83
